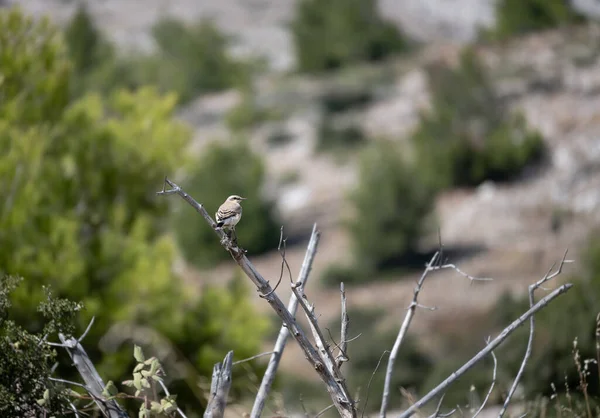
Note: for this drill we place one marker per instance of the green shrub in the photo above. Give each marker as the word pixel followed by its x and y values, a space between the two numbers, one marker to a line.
pixel 25 364
pixel 222 170
pixel 391 207
pixel 192 59
pixel 81 212
pixel 89 51
pixel 336 33
pixel 339 136
pixel 247 114
pixel 516 17
pixel 469 135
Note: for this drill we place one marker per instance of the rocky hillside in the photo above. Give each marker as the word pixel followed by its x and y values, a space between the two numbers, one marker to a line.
pixel 511 232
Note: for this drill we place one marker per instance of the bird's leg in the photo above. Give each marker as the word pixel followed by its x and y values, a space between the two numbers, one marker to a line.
pixel 234 240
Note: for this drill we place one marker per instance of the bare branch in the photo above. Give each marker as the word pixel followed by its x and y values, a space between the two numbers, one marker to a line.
pixel 343 402
pixel 371 380
pixel 401 334
pixel 532 288
pixel 93 381
pixel 322 411
pixel 284 333
pixel 487 397
pixel 343 356
pixel 321 343
pixel 462 273
pixel 489 348
pixel 253 357
pixel 219 388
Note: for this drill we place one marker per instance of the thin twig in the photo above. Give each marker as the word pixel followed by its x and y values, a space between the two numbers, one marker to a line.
pixel 269 377
pixel 532 288
pixel 462 273
pixel 437 414
pixel 219 388
pixel 439 407
pixel 253 357
pixel 491 346
pixel 343 356
pixel 322 411
pixel 371 380
pixel 321 343
pixel 340 397
pixel 401 334
pixel 487 397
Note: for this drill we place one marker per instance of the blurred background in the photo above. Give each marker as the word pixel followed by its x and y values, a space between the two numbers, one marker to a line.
pixel 385 122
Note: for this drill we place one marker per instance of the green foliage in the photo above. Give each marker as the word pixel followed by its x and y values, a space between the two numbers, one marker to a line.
pixel 222 170
pixel 339 131
pixel 516 17
pixel 88 50
pixel 192 60
pixel 391 205
pixel 339 136
pixel 469 135
pixel 25 364
pixel 147 375
pixel 34 87
pixel 248 113
pixel 332 34
pixel 80 211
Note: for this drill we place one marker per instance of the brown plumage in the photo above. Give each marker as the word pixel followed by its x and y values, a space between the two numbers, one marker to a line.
pixel 230 212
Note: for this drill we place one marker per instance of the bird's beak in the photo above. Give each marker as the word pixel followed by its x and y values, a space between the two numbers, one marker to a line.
pixel 243 198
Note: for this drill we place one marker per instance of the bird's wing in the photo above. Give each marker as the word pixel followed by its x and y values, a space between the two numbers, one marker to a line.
pixel 226 212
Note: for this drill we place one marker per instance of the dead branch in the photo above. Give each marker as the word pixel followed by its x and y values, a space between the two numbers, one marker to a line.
pixel 343 347
pixel 269 377
pixel 219 388
pixel 93 382
pixel 488 349
pixel 434 264
pixel 340 397
pixel 401 334
pixel 532 289
pixel 487 396
pixel 321 343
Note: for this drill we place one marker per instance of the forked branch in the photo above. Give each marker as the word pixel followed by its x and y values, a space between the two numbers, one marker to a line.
pixel 340 397
pixel 488 349
pixel 269 377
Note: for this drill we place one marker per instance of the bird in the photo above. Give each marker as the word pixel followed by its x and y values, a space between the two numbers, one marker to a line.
pixel 229 213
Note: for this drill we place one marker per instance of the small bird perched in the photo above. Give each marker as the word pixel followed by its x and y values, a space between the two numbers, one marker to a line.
pixel 229 213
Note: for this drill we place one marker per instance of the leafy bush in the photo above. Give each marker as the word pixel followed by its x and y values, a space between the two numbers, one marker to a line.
pixel 89 51
pixel 81 212
pixel 222 170
pixel 469 135
pixel 336 33
pixel 192 60
pixel 25 364
pixel 391 205
pixel 516 17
